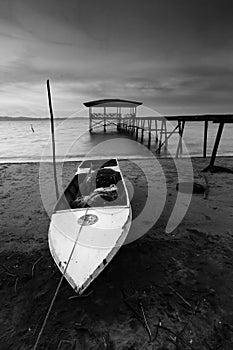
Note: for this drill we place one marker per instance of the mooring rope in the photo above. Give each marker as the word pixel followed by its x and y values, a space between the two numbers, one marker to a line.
pixel 59 285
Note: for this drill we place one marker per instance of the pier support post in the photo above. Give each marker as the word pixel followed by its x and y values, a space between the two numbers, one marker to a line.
pixel 216 144
pixel 156 131
pixel 205 138
pixel 178 145
pixel 104 124
pixel 161 136
pixel 180 131
pixel 170 134
pixel 149 136
pixel 118 120
pixel 132 126
pixel 165 133
pixel 118 124
pixel 90 120
pixel 149 140
pixel 90 127
pixel 142 130
pixel 142 135
pixel 137 126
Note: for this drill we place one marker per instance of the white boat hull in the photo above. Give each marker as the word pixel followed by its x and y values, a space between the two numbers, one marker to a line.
pixel 93 245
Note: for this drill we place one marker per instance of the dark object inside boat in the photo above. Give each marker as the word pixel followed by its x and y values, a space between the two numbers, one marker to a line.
pixel 98 188
pixel 107 177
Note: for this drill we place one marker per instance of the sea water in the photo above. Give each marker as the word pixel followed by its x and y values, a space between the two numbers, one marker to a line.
pixel 30 141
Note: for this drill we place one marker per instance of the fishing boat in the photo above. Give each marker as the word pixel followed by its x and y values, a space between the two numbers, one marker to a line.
pixel 90 222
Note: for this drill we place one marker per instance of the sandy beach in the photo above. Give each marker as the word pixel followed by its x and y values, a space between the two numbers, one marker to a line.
pixel 162 291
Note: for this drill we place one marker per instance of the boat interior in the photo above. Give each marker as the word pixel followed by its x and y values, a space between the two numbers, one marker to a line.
pixel 97 183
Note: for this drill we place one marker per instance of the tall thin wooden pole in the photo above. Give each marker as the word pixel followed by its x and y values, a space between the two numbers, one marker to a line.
pixel 53 139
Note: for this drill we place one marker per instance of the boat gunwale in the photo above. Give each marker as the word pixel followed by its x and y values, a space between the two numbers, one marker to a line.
pixel 91 208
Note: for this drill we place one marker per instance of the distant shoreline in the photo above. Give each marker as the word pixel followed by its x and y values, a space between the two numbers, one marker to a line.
pixel 37 118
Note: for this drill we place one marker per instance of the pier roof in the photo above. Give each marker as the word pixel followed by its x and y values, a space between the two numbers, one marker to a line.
pixel 112 103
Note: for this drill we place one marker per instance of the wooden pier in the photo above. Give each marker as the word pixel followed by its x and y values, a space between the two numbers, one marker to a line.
pixel 159 126
pixel 122 114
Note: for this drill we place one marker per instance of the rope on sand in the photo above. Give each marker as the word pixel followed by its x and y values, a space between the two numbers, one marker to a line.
pixel 58 286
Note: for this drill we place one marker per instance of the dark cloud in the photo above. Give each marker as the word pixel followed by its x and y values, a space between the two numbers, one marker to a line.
pixel 167 53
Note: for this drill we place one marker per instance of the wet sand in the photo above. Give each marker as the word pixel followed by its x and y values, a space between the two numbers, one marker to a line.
pixel 162 291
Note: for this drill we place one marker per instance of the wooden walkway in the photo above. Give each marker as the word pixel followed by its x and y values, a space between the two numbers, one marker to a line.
pixel 156 127
pixel 123 114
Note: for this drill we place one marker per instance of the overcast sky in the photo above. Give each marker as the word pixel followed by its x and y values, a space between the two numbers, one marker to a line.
pixel 176 56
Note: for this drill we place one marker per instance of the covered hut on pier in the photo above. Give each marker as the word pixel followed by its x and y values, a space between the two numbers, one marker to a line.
pixel 110 112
